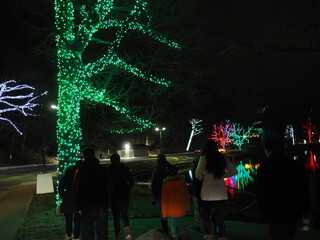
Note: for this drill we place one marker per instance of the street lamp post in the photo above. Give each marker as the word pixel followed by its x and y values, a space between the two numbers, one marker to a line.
pixel 160 129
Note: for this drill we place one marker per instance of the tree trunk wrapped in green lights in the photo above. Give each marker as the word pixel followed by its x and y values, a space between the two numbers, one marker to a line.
pixel 76 26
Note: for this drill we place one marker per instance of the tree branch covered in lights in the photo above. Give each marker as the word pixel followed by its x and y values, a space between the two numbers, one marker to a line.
pixel 289 134
pixel 78 27
pixel 17 98
pixel 195 130
pixel 309 128
pixel 245 175
pixel 240 135
pixel 221 134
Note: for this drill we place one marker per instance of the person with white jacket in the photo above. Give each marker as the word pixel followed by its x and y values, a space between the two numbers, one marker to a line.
pixel 212 169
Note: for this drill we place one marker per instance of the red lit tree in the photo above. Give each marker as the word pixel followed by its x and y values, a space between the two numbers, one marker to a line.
pixel 221 133
pixel 309 129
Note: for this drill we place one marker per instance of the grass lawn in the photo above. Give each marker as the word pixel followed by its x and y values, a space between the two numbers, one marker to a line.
pixel 41 221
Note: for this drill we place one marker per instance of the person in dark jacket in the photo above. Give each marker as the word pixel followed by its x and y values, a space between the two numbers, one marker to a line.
pixel 195 192
pixel 93 194
pixel 282 189
pixel 123 183
pixel 68 205
pixel 158 175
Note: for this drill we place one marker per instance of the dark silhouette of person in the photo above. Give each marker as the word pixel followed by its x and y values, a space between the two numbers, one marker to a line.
pixel 282 189
pixel 93 194
pixel 123 183
pixel 195 193
pixel 212 168
pixel 158 174
pixel 68 205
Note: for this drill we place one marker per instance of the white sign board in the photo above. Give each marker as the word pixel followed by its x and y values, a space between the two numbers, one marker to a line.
pixel 44 183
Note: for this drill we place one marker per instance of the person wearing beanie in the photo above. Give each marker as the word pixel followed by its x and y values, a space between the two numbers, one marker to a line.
pixel 282 189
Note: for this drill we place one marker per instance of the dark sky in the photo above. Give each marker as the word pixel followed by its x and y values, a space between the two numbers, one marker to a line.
pixel 256 55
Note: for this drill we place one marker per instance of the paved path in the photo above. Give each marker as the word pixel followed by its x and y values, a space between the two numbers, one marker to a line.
pixel 13 207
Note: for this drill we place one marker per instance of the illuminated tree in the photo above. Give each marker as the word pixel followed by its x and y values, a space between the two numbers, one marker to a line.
pixel 240 135
pixel 17 98
pixel 78 26
pixel 221 134
pixel 309 129
pixel 289 134
pixel 195 130
pixel 245 175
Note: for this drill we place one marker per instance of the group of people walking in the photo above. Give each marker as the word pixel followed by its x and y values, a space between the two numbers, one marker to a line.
pixel 88 190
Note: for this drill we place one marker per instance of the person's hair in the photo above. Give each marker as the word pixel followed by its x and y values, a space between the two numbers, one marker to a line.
pixel 115 158
pixel 172 170
pixel 216 162
pixel 79 163
pixel 272 141
pixel 88 153
pixel 161 158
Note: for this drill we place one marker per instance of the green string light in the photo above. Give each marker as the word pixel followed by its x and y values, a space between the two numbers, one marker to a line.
pixel 73 36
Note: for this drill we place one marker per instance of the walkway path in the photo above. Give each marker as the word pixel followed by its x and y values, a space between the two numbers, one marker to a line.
pixel 13 207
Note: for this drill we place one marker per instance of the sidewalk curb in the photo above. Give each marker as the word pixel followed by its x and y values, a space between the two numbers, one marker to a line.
pixel 27 166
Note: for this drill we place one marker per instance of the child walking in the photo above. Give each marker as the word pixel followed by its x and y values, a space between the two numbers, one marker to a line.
pixel 175 203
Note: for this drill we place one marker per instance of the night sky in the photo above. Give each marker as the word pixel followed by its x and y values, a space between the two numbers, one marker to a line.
pixel 251 60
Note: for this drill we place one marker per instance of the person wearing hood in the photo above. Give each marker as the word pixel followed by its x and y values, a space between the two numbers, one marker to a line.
pixel 93 194
pixel 282 189
pixel 68 206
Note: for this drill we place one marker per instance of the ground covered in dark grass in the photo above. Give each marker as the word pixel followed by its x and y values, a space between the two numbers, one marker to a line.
pixel 244 221
pixel 42 222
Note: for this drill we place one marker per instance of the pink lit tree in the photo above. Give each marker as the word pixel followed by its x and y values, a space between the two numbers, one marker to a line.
pixel 222 133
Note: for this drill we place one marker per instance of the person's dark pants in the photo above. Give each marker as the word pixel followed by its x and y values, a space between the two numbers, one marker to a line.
pixel 120 209
pixel 74 218
pixel 207 207
pixel 163 220
pixel 283 231
pixel 94 222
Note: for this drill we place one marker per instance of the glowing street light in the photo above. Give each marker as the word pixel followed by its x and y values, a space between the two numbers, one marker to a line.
pixel 54 106
pixel 127 147
pixel 160 129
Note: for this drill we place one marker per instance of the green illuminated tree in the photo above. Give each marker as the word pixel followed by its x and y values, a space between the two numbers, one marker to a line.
pixel 83 23
pixel 240 135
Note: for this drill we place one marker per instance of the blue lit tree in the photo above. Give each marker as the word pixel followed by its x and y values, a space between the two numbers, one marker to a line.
pixel 78 26
pixel 17 98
